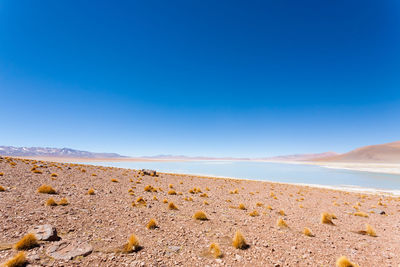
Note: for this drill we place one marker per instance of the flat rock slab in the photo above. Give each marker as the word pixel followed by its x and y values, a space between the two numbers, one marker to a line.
pixel 67 250
pixel 45 232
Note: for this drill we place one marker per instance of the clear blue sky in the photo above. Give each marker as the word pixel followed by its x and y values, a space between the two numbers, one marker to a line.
pixel 211 78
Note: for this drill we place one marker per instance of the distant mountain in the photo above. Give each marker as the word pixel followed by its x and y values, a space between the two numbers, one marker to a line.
pixel 52 152
pixel 384 153
pixel 301 157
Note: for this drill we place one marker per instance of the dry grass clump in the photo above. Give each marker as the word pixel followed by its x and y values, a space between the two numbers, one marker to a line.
pixel 18 260
pixel 91 191
pixel 307 232
pixel 345 262
pixel 368 231
pixel 132 245
pixel 54 175
pixel 215 250
pixel 360 214
pixel 165 201
pixel 172 206
pixel 171 186
pixel 326 218
pixel 63 202
pixel 152 224
pixel 282 213
pixel 1 173
pixel 27 242
pixel 149 188
pixel 2 189
pixel 236 191
pixel 51 202
pixel 114 180
pixel 259 204
pixel 269 207
pixel 281 223
pixel 206 203
pixel 37 171
pixel 200 215
pixel 238 241
pixel 171 192
pixel 46 189
pixel 141 201
pixel 204 195
pixel 254 213
pixel 241 206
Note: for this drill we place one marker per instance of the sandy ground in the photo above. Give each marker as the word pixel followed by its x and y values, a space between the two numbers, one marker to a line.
pixel 107 219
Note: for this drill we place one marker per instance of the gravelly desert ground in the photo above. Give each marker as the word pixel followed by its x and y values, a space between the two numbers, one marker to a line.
pixel 106 219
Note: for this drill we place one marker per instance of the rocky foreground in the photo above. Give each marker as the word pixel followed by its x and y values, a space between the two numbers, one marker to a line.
pixel 93 211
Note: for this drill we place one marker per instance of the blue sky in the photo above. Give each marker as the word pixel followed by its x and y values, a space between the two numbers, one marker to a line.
pixel 209 78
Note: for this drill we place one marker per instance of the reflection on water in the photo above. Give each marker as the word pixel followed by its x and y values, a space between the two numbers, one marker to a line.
pixel 267 171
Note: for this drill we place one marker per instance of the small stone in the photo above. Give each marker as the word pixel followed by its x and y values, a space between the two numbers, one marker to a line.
pixel 45 232
pixel 64 250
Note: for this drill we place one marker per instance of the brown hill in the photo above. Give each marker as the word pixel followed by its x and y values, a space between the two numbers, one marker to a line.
pixel 383 153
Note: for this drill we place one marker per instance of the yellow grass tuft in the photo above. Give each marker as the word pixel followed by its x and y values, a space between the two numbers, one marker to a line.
pixel 254 213
pixel 165 201
pixel 1 173
pixel 171 192
pixel 200 215
pixel 141 201
pixel 155 198
pixel 171 186
pixel 238 241
pixel 46 189
pixel 2 189
pixel 215 250
pixel 132 245
pixel 360 214
pixel 91 191
pixel 114 180
pixel 307 232
pixel 172 206
pixel 241 206
pixel 54 175
pixel 204 195
pixel 27 242
pixel 281 223
pixel 152 224
pixel 345 262
pixel 18 260
pixel 269 207
pixel 63 202
pixel 369 230
pixel 326 218
pixel 282 213
pixel 206 203
pixel 259 204
pixel 51 202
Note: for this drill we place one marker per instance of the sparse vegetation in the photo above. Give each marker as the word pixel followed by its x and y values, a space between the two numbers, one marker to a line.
pixel 132 245
pixel 281 223
pixel 172 206
pixel 282 213
pixel 152 224
pixel 51 202
pixel 114 180
pixel 63 202
pixel 46 189
pixel 27 242
pixel 171 192
pixel 345 262
pixel 242 206
pixel 326 218
pixel 215 250
pixel 238 241
pixel 2 189
pixel 91 191
pixel 307 232
pixel 54 175
pixel 18 260
pixel 360 214
pixel 200 215
pixel 254 213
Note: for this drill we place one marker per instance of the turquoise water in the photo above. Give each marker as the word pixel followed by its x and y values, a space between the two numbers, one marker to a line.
pixel 266 171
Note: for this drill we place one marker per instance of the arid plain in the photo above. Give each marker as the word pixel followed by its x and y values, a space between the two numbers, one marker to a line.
pixel 103 207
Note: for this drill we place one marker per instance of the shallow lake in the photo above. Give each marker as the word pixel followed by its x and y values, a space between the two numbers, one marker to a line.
pixel 267 171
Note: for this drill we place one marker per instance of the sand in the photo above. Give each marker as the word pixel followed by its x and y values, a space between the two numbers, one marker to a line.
pixel 107 219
